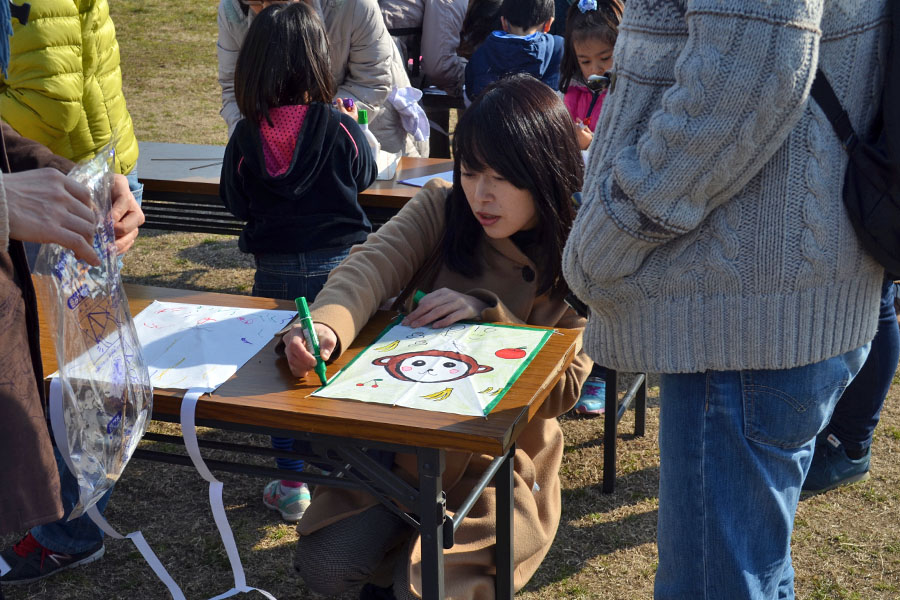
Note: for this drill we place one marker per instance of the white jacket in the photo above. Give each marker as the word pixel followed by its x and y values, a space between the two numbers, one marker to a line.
pixel 365 64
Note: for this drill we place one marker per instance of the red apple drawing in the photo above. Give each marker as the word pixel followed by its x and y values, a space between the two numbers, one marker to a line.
pixel 511 353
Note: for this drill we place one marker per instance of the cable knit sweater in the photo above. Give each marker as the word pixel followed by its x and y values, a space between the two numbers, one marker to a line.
pixel 713 234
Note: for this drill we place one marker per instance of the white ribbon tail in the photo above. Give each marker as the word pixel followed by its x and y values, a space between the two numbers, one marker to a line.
pixel 57 424
pixel 189 433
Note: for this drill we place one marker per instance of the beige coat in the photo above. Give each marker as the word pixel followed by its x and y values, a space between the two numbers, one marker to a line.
pixel 378 270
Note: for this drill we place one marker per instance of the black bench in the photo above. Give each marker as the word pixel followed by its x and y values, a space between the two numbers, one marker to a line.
pixel 196 213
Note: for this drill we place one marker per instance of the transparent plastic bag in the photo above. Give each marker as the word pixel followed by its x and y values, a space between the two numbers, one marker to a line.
pixel 106 392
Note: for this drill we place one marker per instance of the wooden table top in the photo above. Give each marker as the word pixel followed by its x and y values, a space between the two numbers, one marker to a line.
pixel 195 169
pixel 264 394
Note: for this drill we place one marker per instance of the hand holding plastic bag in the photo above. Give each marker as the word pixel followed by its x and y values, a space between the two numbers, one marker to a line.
pixel 106 392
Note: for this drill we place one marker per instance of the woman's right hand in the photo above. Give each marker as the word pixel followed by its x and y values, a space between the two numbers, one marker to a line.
pixel 300 358
pixel 48 207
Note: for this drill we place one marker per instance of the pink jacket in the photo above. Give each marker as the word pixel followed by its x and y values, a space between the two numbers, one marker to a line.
pixel 578 99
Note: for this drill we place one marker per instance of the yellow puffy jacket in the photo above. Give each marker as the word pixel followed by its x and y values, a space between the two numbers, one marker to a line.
pixel 64 84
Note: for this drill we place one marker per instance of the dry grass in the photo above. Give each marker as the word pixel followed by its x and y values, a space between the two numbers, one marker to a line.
pixel 846 543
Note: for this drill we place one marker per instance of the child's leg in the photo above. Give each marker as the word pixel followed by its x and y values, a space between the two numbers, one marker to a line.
pixel 286 277
pixel 348 553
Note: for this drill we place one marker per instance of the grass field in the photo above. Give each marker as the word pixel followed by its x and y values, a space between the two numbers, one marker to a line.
pixel 846 543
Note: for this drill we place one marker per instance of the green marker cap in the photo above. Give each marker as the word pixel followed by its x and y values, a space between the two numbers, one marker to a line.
pixel 362 116
pixel 417 297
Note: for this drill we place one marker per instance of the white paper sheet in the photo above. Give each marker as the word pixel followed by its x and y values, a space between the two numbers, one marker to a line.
pixel 420 181
pixel 194 345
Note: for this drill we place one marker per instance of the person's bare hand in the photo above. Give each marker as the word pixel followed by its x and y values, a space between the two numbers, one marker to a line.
pixel 444 307
pixel 583 135
pixel 299 356
pixel 46 206
pixel 126 214
pixel 348 107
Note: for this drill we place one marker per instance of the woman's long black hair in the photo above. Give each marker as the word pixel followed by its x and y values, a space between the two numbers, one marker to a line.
pixel 283 61
pixel 519 128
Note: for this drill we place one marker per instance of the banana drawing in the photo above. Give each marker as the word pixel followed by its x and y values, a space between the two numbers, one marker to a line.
pixel 441 395
pixel 388 347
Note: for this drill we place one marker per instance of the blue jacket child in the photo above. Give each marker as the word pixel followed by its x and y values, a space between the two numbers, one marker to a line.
pixel 502 53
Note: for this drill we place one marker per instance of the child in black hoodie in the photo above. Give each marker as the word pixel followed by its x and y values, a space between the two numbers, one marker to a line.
pixel 292 170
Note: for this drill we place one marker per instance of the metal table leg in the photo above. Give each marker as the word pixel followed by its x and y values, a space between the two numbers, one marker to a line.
pixel 503 482
pixel 610 423
pixel 432 509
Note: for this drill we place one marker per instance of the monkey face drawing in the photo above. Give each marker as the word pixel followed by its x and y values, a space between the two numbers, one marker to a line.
pixel 431 366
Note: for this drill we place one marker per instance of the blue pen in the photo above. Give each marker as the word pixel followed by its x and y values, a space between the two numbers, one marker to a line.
pixel 309 333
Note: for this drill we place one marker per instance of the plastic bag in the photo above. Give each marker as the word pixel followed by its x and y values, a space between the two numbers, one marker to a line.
pixel 106 392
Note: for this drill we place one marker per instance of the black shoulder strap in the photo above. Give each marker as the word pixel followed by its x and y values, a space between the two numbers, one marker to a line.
pixel 824 95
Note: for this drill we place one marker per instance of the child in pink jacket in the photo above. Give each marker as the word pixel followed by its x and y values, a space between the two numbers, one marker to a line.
pixel 591 30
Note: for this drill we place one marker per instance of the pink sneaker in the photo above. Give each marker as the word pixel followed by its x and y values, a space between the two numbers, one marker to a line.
pixel 291 502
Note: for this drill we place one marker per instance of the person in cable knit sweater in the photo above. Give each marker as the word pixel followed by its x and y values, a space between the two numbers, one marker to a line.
pixel 713 247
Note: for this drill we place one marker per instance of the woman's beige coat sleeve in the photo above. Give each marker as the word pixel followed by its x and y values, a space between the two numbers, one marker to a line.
pixel 381 267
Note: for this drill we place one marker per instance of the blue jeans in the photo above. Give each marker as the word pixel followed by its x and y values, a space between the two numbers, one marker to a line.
pixel 288 276
pixel 78 534
pixel 859 409
pixel 136 187
pixel 735 447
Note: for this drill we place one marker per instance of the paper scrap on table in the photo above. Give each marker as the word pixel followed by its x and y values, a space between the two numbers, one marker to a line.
pixel 420 181
pixel 463 369
pixel 196 345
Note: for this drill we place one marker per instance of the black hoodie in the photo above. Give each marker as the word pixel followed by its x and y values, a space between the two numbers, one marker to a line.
pixel 312 205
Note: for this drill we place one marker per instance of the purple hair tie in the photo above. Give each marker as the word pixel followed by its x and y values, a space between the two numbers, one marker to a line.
pixel 586 5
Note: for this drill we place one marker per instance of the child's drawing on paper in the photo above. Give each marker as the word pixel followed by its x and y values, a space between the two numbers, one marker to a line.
pixel 463 369
pixel 431 366
pixel 195 345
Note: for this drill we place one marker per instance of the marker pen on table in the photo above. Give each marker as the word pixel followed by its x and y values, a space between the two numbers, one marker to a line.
pixel 312 339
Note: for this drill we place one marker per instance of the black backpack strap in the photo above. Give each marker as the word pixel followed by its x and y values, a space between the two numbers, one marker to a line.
pixel 824 95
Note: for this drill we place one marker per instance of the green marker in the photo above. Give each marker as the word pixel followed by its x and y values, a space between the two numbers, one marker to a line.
pixel 309 333
pixel 417 297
